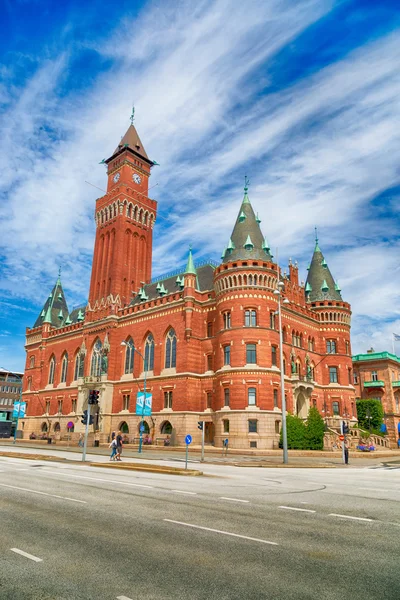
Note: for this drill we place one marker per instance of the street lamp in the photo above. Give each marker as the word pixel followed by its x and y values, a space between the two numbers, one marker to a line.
pixel 278 293
pixel 144 393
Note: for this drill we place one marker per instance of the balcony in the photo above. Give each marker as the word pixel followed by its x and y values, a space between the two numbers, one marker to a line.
pixel 395 384
pixel 374 384
pixel 304 382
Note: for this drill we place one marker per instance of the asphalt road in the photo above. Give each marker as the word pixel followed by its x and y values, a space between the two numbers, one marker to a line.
pixel 237 533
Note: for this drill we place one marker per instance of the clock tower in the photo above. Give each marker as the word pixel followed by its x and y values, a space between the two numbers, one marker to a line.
pixel 125 217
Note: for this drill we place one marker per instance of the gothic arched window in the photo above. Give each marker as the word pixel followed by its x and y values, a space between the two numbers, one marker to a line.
pixel 79 365
pixel 95 370
pixel 64 368
pixel 170 350
pixel 52 367
pixel 149 353
pixel 129 355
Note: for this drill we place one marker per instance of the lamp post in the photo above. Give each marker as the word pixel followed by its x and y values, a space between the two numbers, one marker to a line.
pixel 144 394
pixel 278 293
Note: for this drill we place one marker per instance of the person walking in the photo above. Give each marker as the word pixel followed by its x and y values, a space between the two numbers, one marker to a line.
pixel 113 447
pixel 346 451
pixel 80 441
pixel 119 445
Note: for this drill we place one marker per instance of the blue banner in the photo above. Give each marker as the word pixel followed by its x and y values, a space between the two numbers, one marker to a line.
pixel 143 405
pixel 19 410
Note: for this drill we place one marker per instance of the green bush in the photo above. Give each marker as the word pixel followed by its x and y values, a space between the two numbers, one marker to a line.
pixel 374 409
pixel 295 428
pixel 314 431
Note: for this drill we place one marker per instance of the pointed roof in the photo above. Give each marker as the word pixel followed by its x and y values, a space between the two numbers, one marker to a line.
pixel 132 141
pixel 190 268
pixel 55 309
pixel 320 284
pixel 247 240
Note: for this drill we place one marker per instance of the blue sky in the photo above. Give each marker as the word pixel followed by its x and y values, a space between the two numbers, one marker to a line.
pixel 302 96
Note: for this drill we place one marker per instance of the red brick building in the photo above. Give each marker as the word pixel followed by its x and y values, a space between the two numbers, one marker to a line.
pixel 208 333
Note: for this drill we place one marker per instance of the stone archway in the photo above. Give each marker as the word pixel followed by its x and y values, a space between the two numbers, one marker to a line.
pixel 302 405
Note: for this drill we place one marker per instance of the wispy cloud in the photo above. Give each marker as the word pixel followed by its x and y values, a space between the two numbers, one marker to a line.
pixel 209 109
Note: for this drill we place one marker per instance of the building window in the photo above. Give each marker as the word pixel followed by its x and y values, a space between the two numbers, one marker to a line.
pixel 277 426
pixel 48 407
pixel 60 405
pixel 250 318
pixel 355 378
pixel 273 356
pixel 52 369
pixel 227 320
pixel 333 375
pixel 272 319
pixel 209 329
pixel 31 362
pixel 126 398
pixel 227 355
pixel 350 376
pixel 311 344
pixel 95 370
pixel 374 376
pixel 149 353
pixel 129 356
pixel 275 397
pixel 252 425
pixel 209 399
pixel 347 344
pixel 79 366
pixel 251 396
pixel 335 408
pixel 170 350
pixel 226 396
pixel 226 425
pixel 251 354
pixel 29 384
pixel 64 368
pixel 331 346
pixel 209 362
pixel 73 406
pixel 168 399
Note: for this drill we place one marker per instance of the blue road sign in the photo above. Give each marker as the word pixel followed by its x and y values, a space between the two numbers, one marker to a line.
pixel 188 440
pixel 226 441
pixel 146 410
pixel 141 428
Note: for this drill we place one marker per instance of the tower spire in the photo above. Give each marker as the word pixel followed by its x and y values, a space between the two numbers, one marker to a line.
pixel 132 117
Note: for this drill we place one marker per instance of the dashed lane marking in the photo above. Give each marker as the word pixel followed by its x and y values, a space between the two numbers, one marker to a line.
pixel 184 492
pixel 14 487
pixel 351 517
pixel 123 598
pixel 243 537
pixel 30 556
pixel 307 510
pixel 234 499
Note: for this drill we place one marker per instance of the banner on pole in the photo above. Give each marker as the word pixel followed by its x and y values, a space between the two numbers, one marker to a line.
pixel 143 405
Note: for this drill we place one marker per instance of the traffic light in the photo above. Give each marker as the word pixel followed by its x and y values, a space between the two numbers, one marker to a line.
pixel 93 396
pixel 84 417
pixel 345 428
pixel 200 425
pixel 91 419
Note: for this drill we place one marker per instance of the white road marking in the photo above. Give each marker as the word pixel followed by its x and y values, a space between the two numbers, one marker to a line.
pixel 298 509
pixel 233 499
pixel 184 492
pixel 350 517
pixel 35 558
pixel 244 537
pixel 368 489
pixel 13 487
pixel 110 481
pixel 123 598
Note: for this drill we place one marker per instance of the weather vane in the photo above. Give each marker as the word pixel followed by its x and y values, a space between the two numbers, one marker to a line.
pixel 132 117
pixel 59 271
pixel 316 235
pixel 246 183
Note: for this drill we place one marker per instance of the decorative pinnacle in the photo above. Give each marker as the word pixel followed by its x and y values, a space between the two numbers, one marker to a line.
pixel 316 235
pixel 246 183
pixel 132 117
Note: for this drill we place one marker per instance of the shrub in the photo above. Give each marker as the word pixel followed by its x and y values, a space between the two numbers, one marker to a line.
pixel 295 428
pixel 374 409
pixel 314 431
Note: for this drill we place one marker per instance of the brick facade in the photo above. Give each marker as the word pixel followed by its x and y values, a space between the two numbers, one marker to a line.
pixel 221 317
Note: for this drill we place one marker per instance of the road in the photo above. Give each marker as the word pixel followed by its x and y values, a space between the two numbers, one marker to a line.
pixel 70 531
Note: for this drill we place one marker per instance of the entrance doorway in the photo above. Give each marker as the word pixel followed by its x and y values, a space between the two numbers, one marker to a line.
pixel 209 433
pixel 301 406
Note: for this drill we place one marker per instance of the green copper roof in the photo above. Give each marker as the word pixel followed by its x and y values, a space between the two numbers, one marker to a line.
pixel 376 356
pixel 190 268
pixel 308 287
pixel 247 239
pixel 55 309
pixel 320 279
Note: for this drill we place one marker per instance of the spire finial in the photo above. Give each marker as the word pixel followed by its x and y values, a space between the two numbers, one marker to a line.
pixel 132 117
pixel 316 235
pixel 246 183
pixel 59 272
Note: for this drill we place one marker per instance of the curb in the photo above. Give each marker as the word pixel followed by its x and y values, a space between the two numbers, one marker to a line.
pixel 150 469
pixel 34 456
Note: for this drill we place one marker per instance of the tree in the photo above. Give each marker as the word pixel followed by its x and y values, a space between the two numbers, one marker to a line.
pixel 295 433
pixel 369 413
pixel 314 431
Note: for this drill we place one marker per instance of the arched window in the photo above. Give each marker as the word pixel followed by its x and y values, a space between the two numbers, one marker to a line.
pixel 129 356
pixel 31 362
pixel 79 366
pixel 52 369
pixel 146 428
pixel 64 368
pixel 170 350
pixel 95 370
pixel 149 353
pixel 44 427
pixel 124 428
pixel 166 428
pixel 57 427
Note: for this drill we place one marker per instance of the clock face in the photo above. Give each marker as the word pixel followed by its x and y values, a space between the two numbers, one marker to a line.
pixel 116 177
pixel 136 178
